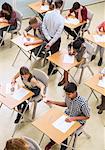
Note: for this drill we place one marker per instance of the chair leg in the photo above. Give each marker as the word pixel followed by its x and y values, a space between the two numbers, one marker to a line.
pixel 87 135
pixel 34 109
pixel 11 39
pixel 90 70
pixel 81 75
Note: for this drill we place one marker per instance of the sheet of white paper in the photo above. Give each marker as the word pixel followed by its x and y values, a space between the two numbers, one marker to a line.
pixel 99 38
pixel 72 21
pixel 101 83
pixel 23 40
pixel 68 59
pixel 20 93
pixel 62 125
pixel 45 7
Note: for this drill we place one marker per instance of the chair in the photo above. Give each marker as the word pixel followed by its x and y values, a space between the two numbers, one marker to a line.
pixel 88 54
pixel 19 17
pixel 33 143
pixel 41 76
pixel 89 17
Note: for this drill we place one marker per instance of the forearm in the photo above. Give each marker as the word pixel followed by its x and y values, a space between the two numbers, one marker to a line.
pixel 62 104
pixel 80 16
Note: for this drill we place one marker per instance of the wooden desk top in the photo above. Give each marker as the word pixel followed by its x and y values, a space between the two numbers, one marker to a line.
pixel 91 38
pixel 73 26
pixel 20 43
pixel 93 84
pixel 9 101
pixel 37 7
pixel 2 25
pixel 57 59
pixel 44 124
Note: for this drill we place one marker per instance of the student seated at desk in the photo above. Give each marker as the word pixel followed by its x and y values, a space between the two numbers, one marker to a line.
pixel 81 14
pixel 100 29
pixel 77 109
pixel 30 83
pixel 76 48
pixel 36 26
pixel 101 107
pixel 9 16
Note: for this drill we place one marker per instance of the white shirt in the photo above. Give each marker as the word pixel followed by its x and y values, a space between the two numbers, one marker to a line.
pixel 52 26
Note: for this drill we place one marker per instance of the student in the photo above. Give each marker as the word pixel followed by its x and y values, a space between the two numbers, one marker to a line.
pixel 77 109
pixel 101 107
pixel 36 26
pixel 50 2
pixel 9 16
pixel 76 48
pixel 21 144
pixel 31 83
pixel 100 29
pixel 81 14
pixel 52 26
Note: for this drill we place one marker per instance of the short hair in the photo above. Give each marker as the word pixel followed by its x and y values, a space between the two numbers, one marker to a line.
pixel 16 144
pixel 58 3
pixel 76 6
pixel 70 87
pixel 33 20
pixel 24 70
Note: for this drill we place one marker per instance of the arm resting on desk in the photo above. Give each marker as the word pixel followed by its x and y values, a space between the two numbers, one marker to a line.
pixel 69 119
pixel 62 104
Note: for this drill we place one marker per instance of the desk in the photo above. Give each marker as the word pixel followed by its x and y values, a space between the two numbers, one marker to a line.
pixel 91 38
pixel 44 124
pixel 20 43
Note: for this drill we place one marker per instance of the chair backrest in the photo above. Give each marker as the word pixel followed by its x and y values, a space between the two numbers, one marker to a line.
pixel 89 16
pixel 41 76
pixel 32 143
pixel 19 17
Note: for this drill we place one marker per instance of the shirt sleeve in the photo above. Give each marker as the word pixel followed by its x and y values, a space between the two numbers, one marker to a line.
pixel 44 28
pixel 28 28
pixel 85 109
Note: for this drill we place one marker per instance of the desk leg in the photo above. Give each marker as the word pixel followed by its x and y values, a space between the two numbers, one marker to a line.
pixel 41 139
pixel 74 142
pixel 16 57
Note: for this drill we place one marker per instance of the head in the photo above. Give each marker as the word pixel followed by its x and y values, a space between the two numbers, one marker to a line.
pixel 7 8
pixel 25 73
pixel 33 22
pixel 58 4
pixel 71 90
pixel 16 144
pixel 76 6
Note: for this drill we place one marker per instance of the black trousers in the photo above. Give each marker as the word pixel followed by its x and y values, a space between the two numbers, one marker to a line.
pixel 72 33
pixel 54 48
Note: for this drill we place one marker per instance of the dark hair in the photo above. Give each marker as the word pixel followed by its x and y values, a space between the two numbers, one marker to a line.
pixel 58 3
pixel 70 87
pixel 76 6
pixel 7 7
pixel 77 43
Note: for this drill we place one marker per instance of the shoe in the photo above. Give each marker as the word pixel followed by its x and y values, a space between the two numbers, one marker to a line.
pixel 2 43
pixel 100 62
pixel 61 83
pixel 55 71
pixel 93 57
pixel 98 107
pixel 49 145
pixel 100 111
pixel 18 118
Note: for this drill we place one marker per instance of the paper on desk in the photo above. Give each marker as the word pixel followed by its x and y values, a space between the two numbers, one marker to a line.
pixel 45 7
pixel 99 38
pixel 23 40
pixel 62 125
pixel 101 82
pixel 68 59
pixel 20 93
pixel 72 21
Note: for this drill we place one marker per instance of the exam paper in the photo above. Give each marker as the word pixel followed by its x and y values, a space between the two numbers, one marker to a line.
pixel 23 40
pixel 101 82
pixel 62 125
pixel 72 21
pixel 99 38
pixel 45 7
pixel 68 59
pixel 20 93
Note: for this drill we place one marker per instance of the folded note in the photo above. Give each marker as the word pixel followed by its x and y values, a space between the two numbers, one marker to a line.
pixel 99 38
pixel 20 93
pixel 101 82
pixel 45 7
pixel 68 59
pixel 62 125
pixel 72 21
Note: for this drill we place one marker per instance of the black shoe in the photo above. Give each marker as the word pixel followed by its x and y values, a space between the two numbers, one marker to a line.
pixel 54 72
pixel 100 62
pixel 98 107
pixel 100 111
pixel 93 57
pixel 2 43
pixel 18 118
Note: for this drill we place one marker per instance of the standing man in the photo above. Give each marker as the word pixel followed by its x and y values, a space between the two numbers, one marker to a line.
pixel 52 27
pixel 77 109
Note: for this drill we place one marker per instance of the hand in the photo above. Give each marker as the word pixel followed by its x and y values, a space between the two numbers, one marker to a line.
pixel 25 34
pixel 100 77
pixel 70 119
pixel 27 44
pixel 13 81
pixel 48 46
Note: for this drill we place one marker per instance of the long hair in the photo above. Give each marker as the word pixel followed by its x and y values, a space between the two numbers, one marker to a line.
pixel 24 70
pixel 7 7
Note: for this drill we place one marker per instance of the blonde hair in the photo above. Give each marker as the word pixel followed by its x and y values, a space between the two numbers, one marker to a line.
pixel 33 20
pixel 16 144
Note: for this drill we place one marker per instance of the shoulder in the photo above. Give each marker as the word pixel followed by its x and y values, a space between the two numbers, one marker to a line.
pixel 13 13
pixel 81 100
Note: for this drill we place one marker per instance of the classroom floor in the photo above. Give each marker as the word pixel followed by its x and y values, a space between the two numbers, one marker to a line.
pixel 94 126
